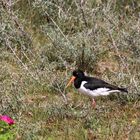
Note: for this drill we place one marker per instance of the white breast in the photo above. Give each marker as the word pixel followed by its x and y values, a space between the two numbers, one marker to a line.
pixel 97 92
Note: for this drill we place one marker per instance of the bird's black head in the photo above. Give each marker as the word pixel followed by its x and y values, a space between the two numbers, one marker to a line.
pixel 77 77
pixel 78 74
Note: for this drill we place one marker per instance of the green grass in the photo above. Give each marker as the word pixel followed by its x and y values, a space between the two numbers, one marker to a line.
pixel 53 119
pixel 42 42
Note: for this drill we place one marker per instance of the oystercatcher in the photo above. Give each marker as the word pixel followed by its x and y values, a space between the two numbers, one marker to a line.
pixel 92 86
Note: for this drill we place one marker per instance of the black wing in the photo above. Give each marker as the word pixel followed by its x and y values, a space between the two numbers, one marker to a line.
pixel 95 83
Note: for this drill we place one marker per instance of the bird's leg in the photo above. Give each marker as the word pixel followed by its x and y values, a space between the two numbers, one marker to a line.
pixel 93 103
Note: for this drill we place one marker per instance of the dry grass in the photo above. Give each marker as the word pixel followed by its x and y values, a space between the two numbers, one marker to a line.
pixel 41 42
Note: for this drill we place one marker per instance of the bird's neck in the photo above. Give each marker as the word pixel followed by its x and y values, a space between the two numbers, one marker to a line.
pixel 77 82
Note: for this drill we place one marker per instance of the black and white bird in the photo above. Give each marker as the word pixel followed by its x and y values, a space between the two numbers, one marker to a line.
pixel 92 86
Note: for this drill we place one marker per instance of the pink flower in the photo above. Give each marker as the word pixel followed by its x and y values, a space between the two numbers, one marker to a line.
pixel 7 119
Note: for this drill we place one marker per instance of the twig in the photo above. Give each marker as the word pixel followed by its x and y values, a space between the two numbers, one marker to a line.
pixel 117 51
pixel 59 29
pixel 83 14
pixel 62 93
pixel 25 66
pixel 123 62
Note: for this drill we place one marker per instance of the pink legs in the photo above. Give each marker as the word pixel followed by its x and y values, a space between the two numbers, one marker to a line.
pixel 93 103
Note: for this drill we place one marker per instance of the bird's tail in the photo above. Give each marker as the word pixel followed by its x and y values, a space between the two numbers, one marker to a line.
pixel 123 89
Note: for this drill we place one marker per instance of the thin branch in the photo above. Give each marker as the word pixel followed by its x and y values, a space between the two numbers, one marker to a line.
pixel 83 14
pixel 59 29
pixel 123 62
pixel 117 50
pixel 20 61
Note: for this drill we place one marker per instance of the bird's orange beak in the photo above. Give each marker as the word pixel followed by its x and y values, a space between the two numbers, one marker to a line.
pixel 70 81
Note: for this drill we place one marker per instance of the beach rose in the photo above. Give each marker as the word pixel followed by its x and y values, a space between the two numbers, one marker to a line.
pixel 7 119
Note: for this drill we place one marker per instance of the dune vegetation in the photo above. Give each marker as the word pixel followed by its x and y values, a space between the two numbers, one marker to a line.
pixel 43 41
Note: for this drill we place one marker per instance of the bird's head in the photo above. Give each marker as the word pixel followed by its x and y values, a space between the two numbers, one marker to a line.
pixel 75 74
pixel 78 73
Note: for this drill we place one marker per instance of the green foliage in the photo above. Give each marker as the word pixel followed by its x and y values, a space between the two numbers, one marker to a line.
pixel 42 41
pixel 7 132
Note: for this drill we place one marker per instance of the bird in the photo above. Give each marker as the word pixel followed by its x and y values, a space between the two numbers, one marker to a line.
pixel 92 86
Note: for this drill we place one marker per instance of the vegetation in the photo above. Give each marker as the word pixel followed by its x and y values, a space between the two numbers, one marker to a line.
pixel 7 131
pixel 42 41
